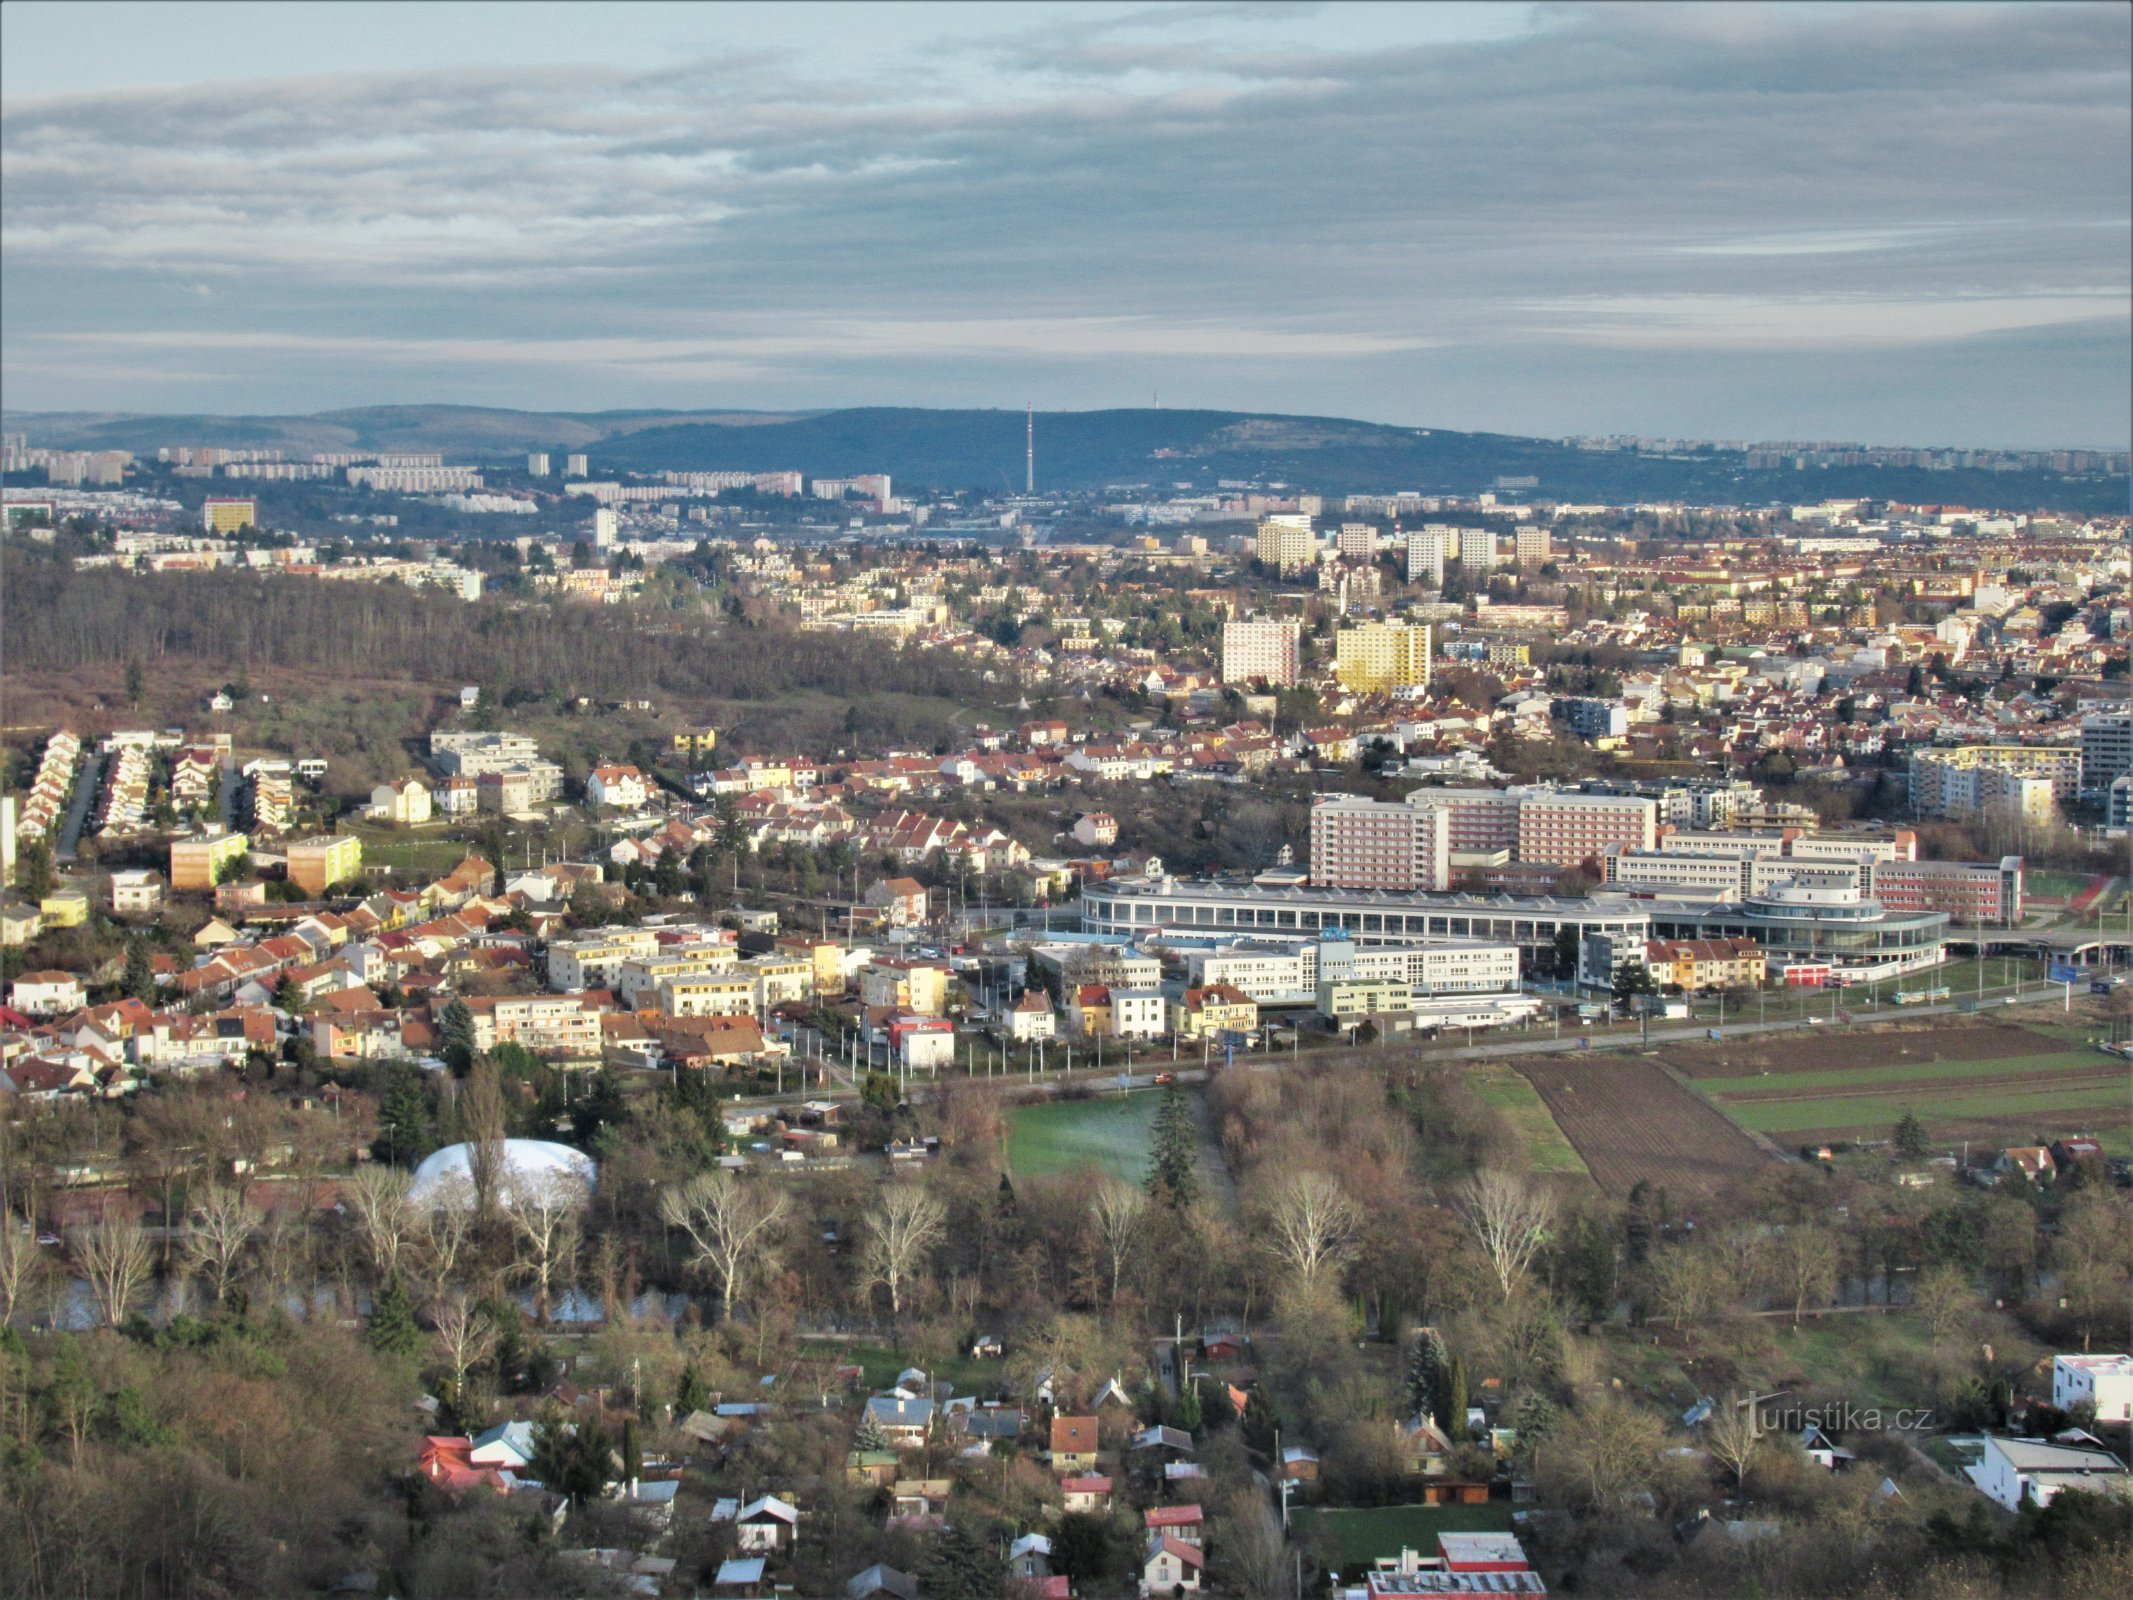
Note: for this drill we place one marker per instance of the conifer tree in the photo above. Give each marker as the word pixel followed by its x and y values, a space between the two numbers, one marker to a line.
pixel 1173 1172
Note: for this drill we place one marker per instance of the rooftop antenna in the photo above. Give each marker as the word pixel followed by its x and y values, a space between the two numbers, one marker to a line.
pixel 1029 453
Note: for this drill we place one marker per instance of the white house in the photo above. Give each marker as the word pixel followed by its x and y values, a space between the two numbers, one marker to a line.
pixel 135 892
pixel 622 787
pixel 508 1445
pixel 765 1525
pixel 406 802
pixel 47 994
pixel 1170 1565
pixel 1030 1018
pixel 1136 1013
pixel 2012 1471
pixel 2106 1382
pixel 458 796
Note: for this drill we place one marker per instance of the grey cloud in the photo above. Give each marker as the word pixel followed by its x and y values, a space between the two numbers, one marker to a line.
pixel 1711 178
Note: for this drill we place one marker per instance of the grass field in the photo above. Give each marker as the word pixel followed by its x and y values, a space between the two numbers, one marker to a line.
pixel 2054 885
pixel 1521 1104
pixel 411 852
pixel 1110 1132
pixel 882 1363
pixel 1978 1081
pixel 1366 1533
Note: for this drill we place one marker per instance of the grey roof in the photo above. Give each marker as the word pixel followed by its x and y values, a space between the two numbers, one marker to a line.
pixel 740 1570
pixel 881 1578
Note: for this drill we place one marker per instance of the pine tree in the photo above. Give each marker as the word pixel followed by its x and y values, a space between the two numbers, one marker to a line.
pixel 1189 1410
pixel 1425 1374
pixel 870 1436
pixel 405 1134
pixel 632 1452
pixel 1451 1412
pixel 691 1393
pixel 962 1566
pixel 393 1331
pixel 1173 1169
pixel 1910 1137
pixel 138 982
pixel 456 1037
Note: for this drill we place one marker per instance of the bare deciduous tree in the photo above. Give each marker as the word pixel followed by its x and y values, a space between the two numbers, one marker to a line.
pixel 113 1253
pixel 1685 1281
pixel 483 1120
pixel 465 1336
pixel 447 1224
pixel 223 1223
pixel 377 1199
pixel 1806 1261
pixel 1943 1296
pixel 21 1265
pixel 544 1209
pixel 732 1224
pixel 1311 1224
pixel 1731 1435
pixel 1509 1218
pixel 904 1226
pixel 1118 1209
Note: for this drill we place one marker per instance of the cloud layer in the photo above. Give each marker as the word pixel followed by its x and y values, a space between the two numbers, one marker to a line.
pixel 1698 198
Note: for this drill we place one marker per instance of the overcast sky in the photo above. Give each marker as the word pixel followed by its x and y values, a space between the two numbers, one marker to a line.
pixel 1903 224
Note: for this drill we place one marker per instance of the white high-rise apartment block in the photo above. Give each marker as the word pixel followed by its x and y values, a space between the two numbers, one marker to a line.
pixel 537 464
pixel 1261 649
pixel 1477 550
pixel 606 527
pixel 1375 844
pixel 1286 543
pixel 1429 547
pixel 1536 548
pixel 2106 748
pixel 575 467
pixel 1357 540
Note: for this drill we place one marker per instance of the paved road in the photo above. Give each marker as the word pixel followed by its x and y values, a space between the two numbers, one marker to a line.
pixel 1087 1079
pixel 86 783
pixel 226 796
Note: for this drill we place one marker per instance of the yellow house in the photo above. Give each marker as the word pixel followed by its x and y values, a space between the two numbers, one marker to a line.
pixel 827 955
pixel 1706 963
pixel 920 987
pixel 695 741
pixel 1216 1008
pixel 64 908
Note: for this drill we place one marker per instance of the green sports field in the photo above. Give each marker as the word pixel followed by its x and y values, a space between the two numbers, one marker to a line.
pixel 1110 1132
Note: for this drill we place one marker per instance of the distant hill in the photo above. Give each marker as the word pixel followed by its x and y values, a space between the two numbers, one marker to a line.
pixel 1076 450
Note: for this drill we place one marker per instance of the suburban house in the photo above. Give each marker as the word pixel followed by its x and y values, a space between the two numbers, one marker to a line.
pixel 406 801
pixel 622 787
pixel 920 986
pixel 903 1422
pixel 765 1525
pixel 508 1445
pixel 1089 1010
pixel 1212 1009
pixel 1179 1522
pixel 902 901
pixel 1087 1493
pixel 47 994
pixel 2105 1382
pixel 135 893
pixel 1136 1013
pixel 1073 1444
pixel 1170 1566
pixel 2013 1472
pixel 1030 1018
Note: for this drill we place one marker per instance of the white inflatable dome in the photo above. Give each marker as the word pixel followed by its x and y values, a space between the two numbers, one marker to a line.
pixel 527 1162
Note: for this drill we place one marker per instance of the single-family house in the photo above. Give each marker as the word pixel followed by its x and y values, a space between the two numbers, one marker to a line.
pixel 508 1445
pixel 47 994
pixel 2102 1381
pixel 2015 1472
pixel 1171 1566
pixel 1073 1444
pixel 1086 1493
pixel 903 1422
pixel 1030 1018
pixel 1180 1522
pixel 880 1582
pixel 765 1525
pixel 1030 1557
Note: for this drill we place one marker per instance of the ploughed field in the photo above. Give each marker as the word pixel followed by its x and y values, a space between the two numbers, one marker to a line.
pixel 1631 1122
pixel 1985 1082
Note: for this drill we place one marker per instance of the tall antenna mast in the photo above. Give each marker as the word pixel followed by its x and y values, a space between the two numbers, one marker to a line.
pixel 1029 453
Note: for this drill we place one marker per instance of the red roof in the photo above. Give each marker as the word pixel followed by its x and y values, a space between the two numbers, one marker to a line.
pixel 1174 1516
